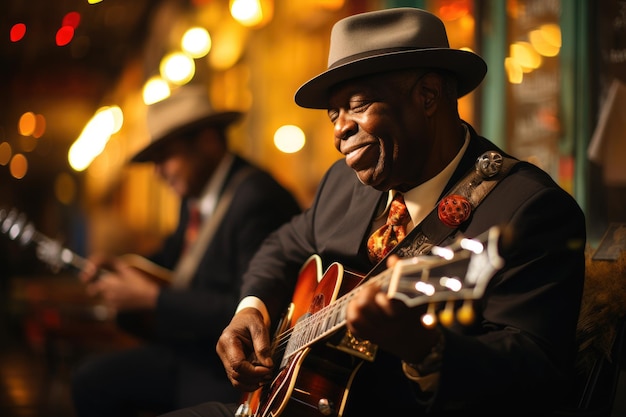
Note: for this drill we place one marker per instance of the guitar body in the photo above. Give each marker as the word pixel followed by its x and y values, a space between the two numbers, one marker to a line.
pixel 315 380
pixel 319 360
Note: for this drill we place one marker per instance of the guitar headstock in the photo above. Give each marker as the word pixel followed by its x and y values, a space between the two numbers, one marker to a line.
pixel 457 272
pixel 17 227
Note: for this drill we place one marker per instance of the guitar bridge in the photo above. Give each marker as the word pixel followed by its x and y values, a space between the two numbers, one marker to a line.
pixel 363 349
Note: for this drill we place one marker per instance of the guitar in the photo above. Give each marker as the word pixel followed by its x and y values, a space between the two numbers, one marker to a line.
pixel 17 227
pixel 319 359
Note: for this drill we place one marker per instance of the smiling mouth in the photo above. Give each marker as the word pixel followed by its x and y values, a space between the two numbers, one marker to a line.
pixel 357 156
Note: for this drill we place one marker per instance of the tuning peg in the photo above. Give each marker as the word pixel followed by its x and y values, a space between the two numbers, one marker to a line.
pixel 28 234
pixel 465 315
pixel 429 319
pixel 446 316
pixel 8 221
pixel 17 227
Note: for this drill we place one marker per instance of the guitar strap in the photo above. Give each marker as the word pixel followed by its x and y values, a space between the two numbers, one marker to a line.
pixel 488 170
pixel 186 266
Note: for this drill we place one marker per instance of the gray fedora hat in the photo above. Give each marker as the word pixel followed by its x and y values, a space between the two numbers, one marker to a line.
pixel 387 40
pixel 187 109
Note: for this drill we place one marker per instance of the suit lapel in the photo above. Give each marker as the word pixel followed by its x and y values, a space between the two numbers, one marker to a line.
pixel 363 205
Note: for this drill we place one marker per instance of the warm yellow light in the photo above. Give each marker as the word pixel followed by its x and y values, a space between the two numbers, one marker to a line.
pixel 5 153
pixel 246 12
pixel 513 71
pixel 330 4
pixel 552 34
pixel 467 23
pixel 40 126
pixel 252 13
pixel 546 40
pixel 289 139
pixel 18 166
pixel 177 68
pixel 227 49
pixel 196 42
pixel 94 137
pixel 155 89
pixel 116 116
pixel 27 123
pixel 526 56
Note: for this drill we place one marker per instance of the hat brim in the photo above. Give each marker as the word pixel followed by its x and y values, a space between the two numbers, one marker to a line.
pixel 149 153
pixel 469 69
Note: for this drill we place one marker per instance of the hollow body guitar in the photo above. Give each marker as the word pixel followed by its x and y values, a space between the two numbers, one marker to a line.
pixel 319 358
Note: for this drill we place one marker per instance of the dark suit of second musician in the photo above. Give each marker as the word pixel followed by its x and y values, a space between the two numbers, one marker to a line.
pixel 179 364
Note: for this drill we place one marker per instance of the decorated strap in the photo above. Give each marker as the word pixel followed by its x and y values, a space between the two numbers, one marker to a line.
pixel 454 208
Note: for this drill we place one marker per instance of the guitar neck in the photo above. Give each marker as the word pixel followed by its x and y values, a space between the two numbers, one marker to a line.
pixel 325 322
pixel 50 251
pixel 64 256
pixel 458 272
pixel 17 227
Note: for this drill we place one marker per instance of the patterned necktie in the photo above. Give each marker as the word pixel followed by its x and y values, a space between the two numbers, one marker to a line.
pixel 391 233
pixel 193 226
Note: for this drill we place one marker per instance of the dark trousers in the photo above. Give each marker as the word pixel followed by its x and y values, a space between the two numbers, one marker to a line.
pixel 209 409
pixel 151 379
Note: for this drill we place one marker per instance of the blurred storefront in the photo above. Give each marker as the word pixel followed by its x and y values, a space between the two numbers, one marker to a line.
pixel 553 65
pixel 554 95
pixel 540 100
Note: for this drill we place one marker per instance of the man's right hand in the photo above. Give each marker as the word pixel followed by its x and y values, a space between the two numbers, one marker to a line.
pixel 245 350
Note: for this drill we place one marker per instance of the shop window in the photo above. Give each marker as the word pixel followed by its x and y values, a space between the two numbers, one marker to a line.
pixel 533 124
pixel 460 20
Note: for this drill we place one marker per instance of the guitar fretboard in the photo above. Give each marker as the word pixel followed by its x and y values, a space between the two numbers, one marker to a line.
pixel 314 327
pixel 458 272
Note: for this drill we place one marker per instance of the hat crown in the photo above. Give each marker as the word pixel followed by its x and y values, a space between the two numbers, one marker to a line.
pixel 380 32
pixel 184 106
pixel 390 40
pixel 186 110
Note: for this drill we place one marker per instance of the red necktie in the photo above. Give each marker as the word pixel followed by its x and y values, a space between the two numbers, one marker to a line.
pixel 391 233
pixel 193 226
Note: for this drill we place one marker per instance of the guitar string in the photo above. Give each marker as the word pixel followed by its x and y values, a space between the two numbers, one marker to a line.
pixel 307 330
pixel 304 329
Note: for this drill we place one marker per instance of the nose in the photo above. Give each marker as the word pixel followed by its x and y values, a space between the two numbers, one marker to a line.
pixel 345 126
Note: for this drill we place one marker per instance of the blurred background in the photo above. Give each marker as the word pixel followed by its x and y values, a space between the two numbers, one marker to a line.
pixel 76 77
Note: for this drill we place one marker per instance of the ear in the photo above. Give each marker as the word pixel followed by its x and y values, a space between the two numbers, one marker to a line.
pixel 431 92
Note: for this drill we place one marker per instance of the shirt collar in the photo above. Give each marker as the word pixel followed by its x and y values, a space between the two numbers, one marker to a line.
pixel 421 199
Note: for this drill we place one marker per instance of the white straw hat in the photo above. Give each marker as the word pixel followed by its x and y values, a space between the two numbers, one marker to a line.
pixel 188 108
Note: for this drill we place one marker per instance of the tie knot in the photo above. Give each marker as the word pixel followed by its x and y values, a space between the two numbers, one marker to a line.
pixel 398 213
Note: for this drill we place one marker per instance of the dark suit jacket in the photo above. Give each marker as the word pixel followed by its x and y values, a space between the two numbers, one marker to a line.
pixel 521 350
pixel 190 321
